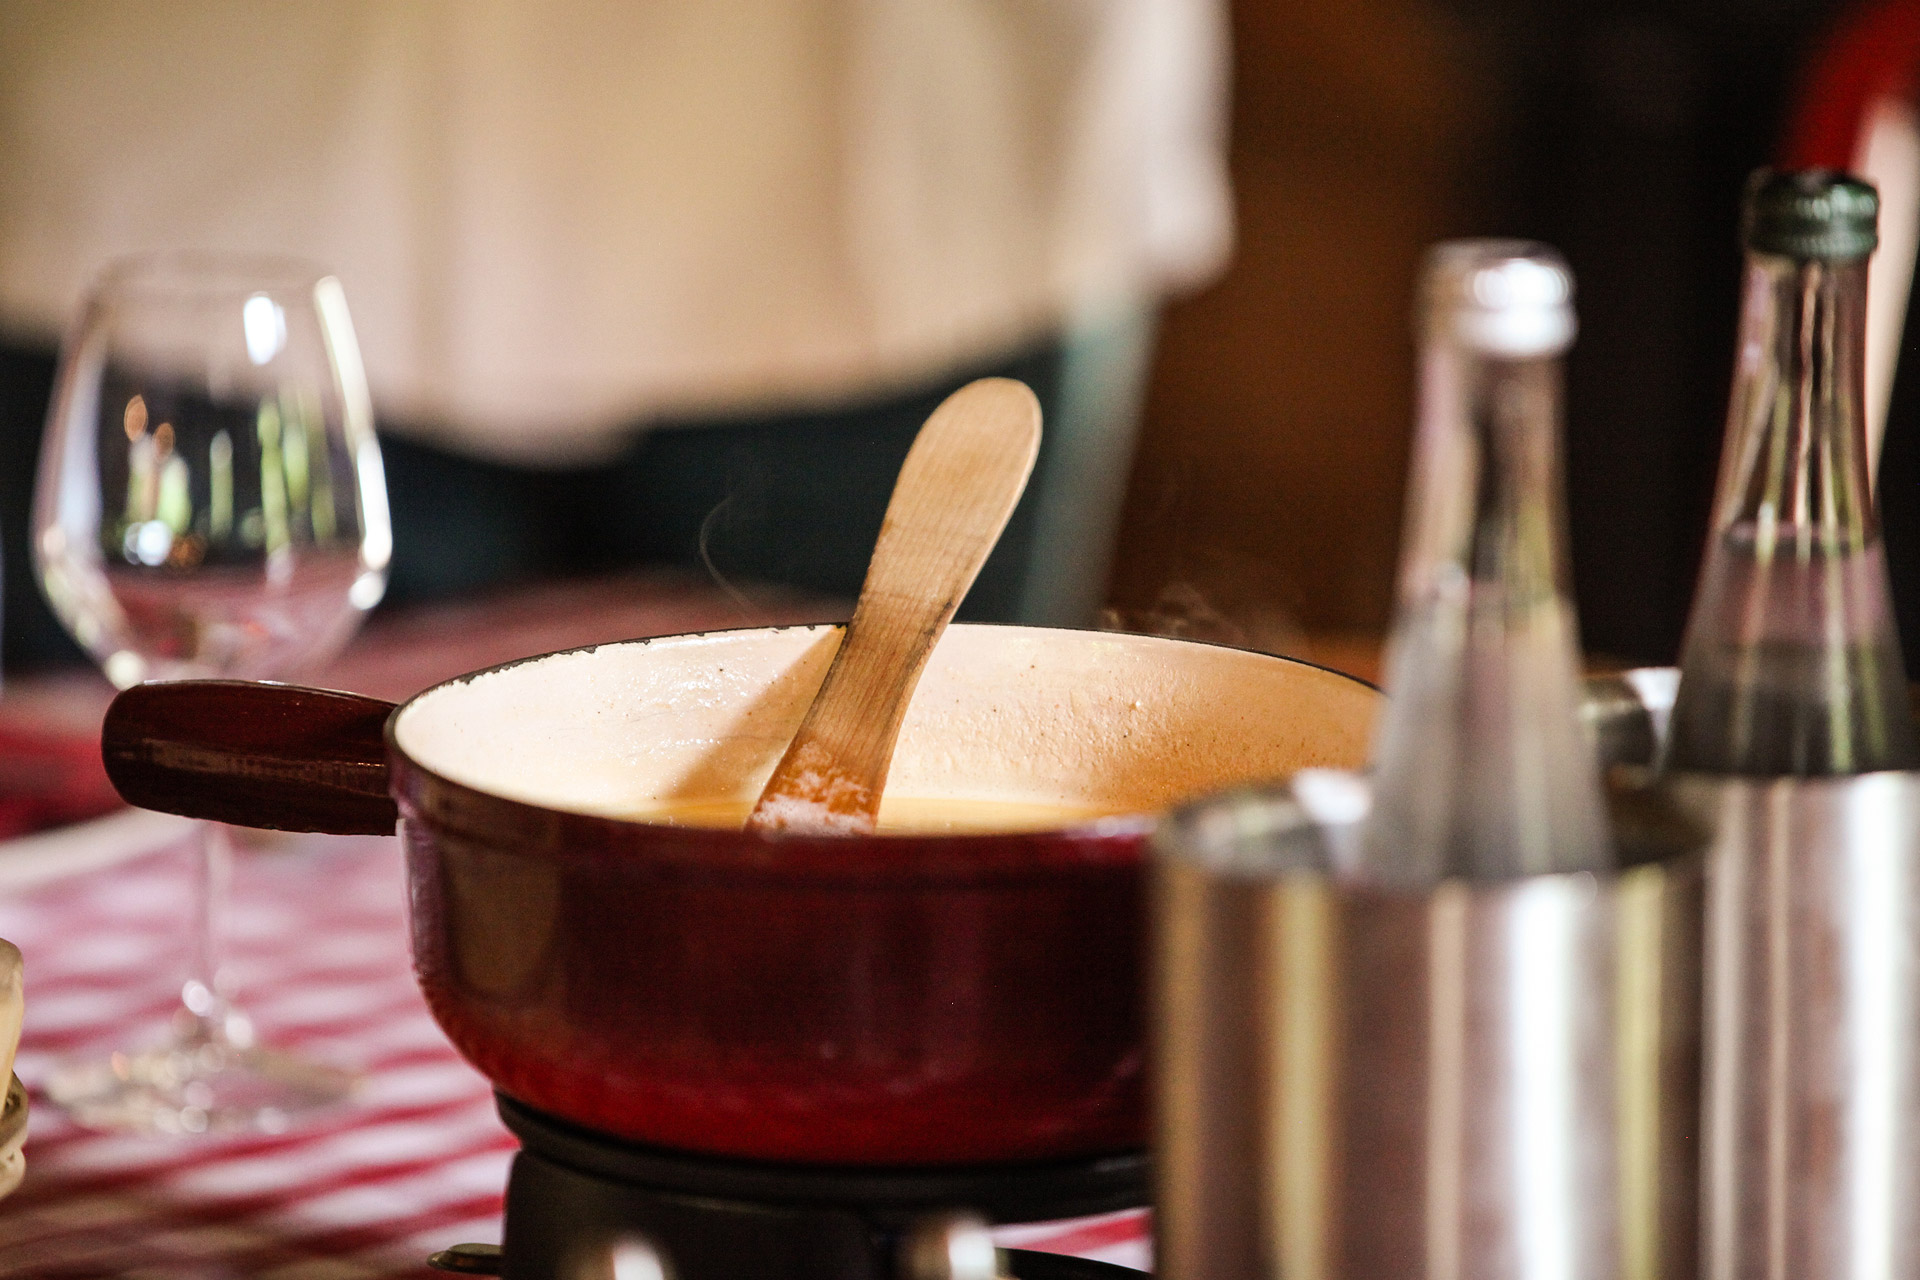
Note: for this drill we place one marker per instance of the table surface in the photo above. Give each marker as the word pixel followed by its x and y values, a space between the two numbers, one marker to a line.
pixel 417 1159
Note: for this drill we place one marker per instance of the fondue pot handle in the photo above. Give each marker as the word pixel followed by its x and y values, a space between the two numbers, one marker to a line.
pixel 252 754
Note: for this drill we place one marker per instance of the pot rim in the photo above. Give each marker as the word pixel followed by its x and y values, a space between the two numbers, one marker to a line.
pixel 571 835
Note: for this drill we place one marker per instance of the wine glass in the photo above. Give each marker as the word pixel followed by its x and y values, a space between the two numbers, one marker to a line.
pixel 210 503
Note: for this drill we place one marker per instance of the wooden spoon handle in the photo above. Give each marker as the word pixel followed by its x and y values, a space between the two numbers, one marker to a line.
pixel 957 488
pixel 255 755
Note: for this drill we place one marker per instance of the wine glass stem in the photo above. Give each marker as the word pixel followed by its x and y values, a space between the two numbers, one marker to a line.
pixel 209 1017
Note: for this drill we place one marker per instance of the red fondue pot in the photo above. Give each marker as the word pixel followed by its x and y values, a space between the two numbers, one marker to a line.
pixel 883 1000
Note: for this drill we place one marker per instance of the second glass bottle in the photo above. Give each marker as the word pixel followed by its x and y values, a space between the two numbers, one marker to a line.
pixel 1481 767
pixel 1790 666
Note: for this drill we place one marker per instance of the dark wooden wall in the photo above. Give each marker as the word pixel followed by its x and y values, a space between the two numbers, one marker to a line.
pixel 1270 474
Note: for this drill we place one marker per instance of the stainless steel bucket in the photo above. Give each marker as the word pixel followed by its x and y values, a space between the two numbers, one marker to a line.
pixel 1490 1080
pixel 1811 1106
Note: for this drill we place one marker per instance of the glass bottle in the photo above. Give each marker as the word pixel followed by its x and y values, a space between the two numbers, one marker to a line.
pixel 1790 665
pixel 1481 767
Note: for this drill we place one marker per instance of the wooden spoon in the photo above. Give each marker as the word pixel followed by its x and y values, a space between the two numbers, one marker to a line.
pixel 957 488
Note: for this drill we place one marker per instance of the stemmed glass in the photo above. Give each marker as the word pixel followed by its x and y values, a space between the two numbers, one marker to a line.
pixel 210 503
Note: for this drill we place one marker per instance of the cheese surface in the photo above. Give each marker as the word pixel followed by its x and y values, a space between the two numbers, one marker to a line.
pixel 905 815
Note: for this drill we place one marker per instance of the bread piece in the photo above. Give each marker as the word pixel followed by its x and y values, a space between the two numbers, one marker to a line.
pixel 12 1007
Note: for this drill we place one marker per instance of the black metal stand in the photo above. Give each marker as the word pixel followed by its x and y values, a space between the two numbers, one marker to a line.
pixel 573 1191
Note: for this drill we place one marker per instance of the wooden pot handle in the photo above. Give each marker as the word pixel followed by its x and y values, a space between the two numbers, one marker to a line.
pixel 252 754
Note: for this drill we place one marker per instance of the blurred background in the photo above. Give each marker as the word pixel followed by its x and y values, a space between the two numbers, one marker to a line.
pixel 1263 500
pixel 1278 422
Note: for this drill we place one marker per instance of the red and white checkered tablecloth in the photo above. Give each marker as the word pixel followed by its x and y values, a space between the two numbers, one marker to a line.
pixel 318 953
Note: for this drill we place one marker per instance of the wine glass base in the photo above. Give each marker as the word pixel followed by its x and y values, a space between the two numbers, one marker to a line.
pixel 206 1088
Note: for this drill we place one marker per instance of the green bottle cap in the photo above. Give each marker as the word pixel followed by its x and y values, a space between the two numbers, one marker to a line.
pixel 1810 213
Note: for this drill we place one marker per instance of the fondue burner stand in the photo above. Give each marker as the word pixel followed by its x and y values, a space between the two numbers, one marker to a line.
pixel 573 1191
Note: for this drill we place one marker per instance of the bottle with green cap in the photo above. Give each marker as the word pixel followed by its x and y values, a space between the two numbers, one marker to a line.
pixel 1791 666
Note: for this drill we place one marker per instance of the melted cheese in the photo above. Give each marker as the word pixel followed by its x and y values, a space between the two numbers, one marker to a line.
pixel 915 815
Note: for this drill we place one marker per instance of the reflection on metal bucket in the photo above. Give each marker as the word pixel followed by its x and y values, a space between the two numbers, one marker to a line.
pixel 1490 1080
pixel 1812 1114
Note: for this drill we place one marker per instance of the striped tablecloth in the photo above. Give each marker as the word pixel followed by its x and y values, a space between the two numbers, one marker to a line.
pixel 417 1160
pixel 318 954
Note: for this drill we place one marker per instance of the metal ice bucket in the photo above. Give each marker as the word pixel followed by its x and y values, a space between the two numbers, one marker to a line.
pixel 1505 1080
pixel 1494 1079
pixel 1811 1114
pixel 1485 1081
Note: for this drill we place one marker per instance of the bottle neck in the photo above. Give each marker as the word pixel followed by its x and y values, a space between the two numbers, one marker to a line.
pixel 1481 768
pixel 1485 511
pixel 1795 478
